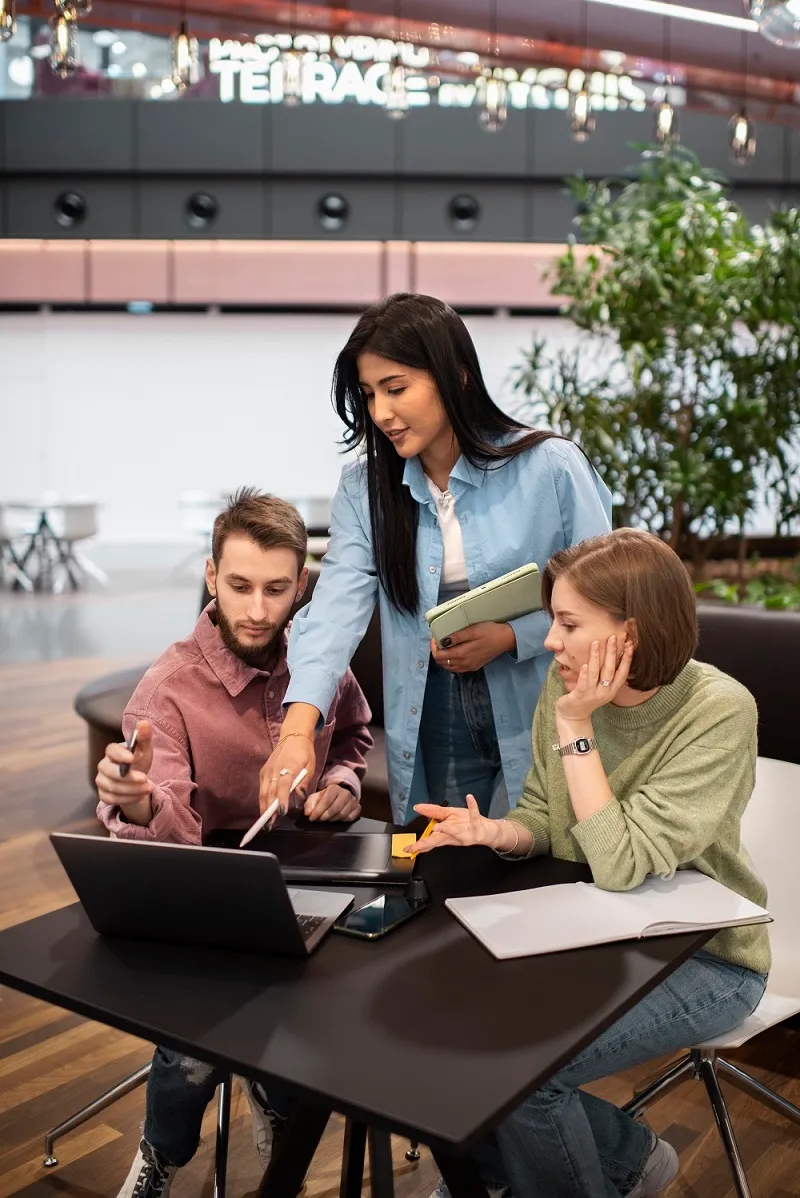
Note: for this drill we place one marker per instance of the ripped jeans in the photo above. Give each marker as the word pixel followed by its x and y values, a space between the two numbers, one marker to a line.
pixel 179 1089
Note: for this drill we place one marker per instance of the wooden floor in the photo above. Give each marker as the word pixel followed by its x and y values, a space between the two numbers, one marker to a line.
pixel 52 1062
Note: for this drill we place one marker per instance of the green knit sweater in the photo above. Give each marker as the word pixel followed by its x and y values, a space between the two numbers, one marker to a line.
pixel 681 768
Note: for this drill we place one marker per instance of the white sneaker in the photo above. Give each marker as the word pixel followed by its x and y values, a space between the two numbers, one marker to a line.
pixel 660 1169
pixel 263 1130
pixel 442 1191
pixel 150 1176
pixel 267 1124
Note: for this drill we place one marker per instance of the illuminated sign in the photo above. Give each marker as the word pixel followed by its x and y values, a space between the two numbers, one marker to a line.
pixel 352 68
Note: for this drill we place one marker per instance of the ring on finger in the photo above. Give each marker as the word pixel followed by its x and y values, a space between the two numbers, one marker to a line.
pixel 605 682
pixel 282 773
pixel 448 663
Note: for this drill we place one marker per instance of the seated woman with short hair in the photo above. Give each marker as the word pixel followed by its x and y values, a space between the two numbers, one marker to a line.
pixel 643 763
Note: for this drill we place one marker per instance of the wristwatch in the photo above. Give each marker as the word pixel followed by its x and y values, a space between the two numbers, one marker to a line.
pixel 583 744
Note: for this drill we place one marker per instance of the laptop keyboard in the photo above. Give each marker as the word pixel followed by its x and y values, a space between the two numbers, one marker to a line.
pixel 308 924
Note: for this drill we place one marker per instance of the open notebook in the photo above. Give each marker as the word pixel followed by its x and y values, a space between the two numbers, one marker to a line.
pixel 552 919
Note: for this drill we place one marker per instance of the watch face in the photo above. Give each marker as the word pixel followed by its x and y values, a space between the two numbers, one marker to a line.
pixel 582 745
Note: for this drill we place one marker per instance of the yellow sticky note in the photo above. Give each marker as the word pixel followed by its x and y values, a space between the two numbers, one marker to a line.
pixel 399 842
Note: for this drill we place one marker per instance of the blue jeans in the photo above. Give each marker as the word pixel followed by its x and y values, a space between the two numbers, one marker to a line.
pixel 457 739
pixel 564 1143
pixel 179 1089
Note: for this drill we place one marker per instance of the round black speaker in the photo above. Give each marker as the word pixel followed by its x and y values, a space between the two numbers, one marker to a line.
pixel 70 209
pixel 201 210
pixel 463 212
pixel 333 211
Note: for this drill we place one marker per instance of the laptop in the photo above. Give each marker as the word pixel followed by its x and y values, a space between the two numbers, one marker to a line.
pixel 188 894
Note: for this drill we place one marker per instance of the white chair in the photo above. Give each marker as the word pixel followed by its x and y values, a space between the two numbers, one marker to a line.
pixel 10 563
pixel 78 523
pixel 771 833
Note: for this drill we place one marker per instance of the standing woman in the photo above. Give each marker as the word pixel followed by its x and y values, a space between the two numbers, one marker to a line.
pixel 448 493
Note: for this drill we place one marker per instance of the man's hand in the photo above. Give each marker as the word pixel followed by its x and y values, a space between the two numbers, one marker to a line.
pixel 332 803
pixel 474 647
pixel 131 793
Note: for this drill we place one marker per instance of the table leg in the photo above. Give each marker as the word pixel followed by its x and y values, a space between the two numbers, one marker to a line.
pixel 460 1174
pixel 381 1175
pixel 293 1156
pixel 355 1143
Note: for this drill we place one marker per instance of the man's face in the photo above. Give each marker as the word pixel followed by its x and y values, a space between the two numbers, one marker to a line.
pixel 255 590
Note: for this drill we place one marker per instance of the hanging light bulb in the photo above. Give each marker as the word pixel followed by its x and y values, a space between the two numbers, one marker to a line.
pixel 184 68
pixel 395 89
pixel 743 138
pixel 778 21
pixel 494 105
pixel 64 52
pixel 581 117
pixel 292 68
pixel 666 123
pixel 77 8
pixel 8 21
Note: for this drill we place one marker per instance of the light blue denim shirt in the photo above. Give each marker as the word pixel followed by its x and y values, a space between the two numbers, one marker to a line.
pixel 522 511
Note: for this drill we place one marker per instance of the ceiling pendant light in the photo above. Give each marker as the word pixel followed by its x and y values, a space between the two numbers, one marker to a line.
pixel 8 21
pixel 494 102
pixel 742 130
pixel 492 90
pixel 778 21
pixel 64 52
pixel 184 60
pixel 581 117
pixel 292 69
pixel 76 8
pixel 743 138
pixel 666 123
pixel 395 89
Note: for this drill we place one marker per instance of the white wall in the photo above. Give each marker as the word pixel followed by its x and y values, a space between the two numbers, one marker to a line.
pixel 135 410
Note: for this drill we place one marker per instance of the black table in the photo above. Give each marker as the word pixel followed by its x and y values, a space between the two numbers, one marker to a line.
pixel 422 1033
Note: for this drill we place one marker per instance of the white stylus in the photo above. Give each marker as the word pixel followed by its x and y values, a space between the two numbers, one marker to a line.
pixel 268 814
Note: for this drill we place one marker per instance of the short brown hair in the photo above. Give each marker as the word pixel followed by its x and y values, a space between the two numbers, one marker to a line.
pixel 271 522
pixel 634 575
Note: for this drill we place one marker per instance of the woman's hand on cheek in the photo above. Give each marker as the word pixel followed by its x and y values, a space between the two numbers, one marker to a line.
pixel 599 681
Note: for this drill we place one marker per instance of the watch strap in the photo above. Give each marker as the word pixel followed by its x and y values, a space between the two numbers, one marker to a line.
pixel 579 747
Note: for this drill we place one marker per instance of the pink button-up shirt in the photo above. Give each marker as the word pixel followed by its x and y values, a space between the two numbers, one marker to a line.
pixel 215 722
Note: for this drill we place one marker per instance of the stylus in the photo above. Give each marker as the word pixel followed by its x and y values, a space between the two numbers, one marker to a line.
pixel 268 814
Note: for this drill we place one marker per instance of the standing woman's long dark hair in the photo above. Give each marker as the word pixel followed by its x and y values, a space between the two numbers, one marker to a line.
pixel 426 334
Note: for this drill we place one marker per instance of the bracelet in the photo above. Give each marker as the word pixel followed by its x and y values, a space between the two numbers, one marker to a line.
pixel 509 852
pixel 290 734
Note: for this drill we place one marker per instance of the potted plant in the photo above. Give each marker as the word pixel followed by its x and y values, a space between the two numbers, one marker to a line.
pixel 685 390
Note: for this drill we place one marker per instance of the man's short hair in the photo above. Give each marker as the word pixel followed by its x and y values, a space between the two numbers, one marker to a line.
pixel 269 521
pixel 634 575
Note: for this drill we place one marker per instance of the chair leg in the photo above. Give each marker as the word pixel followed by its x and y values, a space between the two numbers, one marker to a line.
pixel 708 1074
pixel 657 1089
pixel 743 1081
pixel 94 1108
pixel 413 1151
pixel 223 1128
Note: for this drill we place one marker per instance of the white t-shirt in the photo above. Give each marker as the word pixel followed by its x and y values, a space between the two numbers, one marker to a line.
pixel 454 579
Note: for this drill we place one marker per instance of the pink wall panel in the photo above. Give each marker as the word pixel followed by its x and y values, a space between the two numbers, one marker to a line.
pixel 397 266
pixel 43 271
pixel 486 274
pixel 277 273
pixel 121 271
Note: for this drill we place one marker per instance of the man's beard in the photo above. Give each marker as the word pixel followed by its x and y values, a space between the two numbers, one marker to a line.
pixel 260 657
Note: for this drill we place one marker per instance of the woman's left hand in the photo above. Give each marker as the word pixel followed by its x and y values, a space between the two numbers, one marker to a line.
pixel 470 650
pixel 597 685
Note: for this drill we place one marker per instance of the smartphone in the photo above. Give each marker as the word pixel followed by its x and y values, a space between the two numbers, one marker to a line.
pixel 378 917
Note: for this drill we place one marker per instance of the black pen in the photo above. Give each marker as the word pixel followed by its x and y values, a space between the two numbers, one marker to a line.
pixel 130 746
